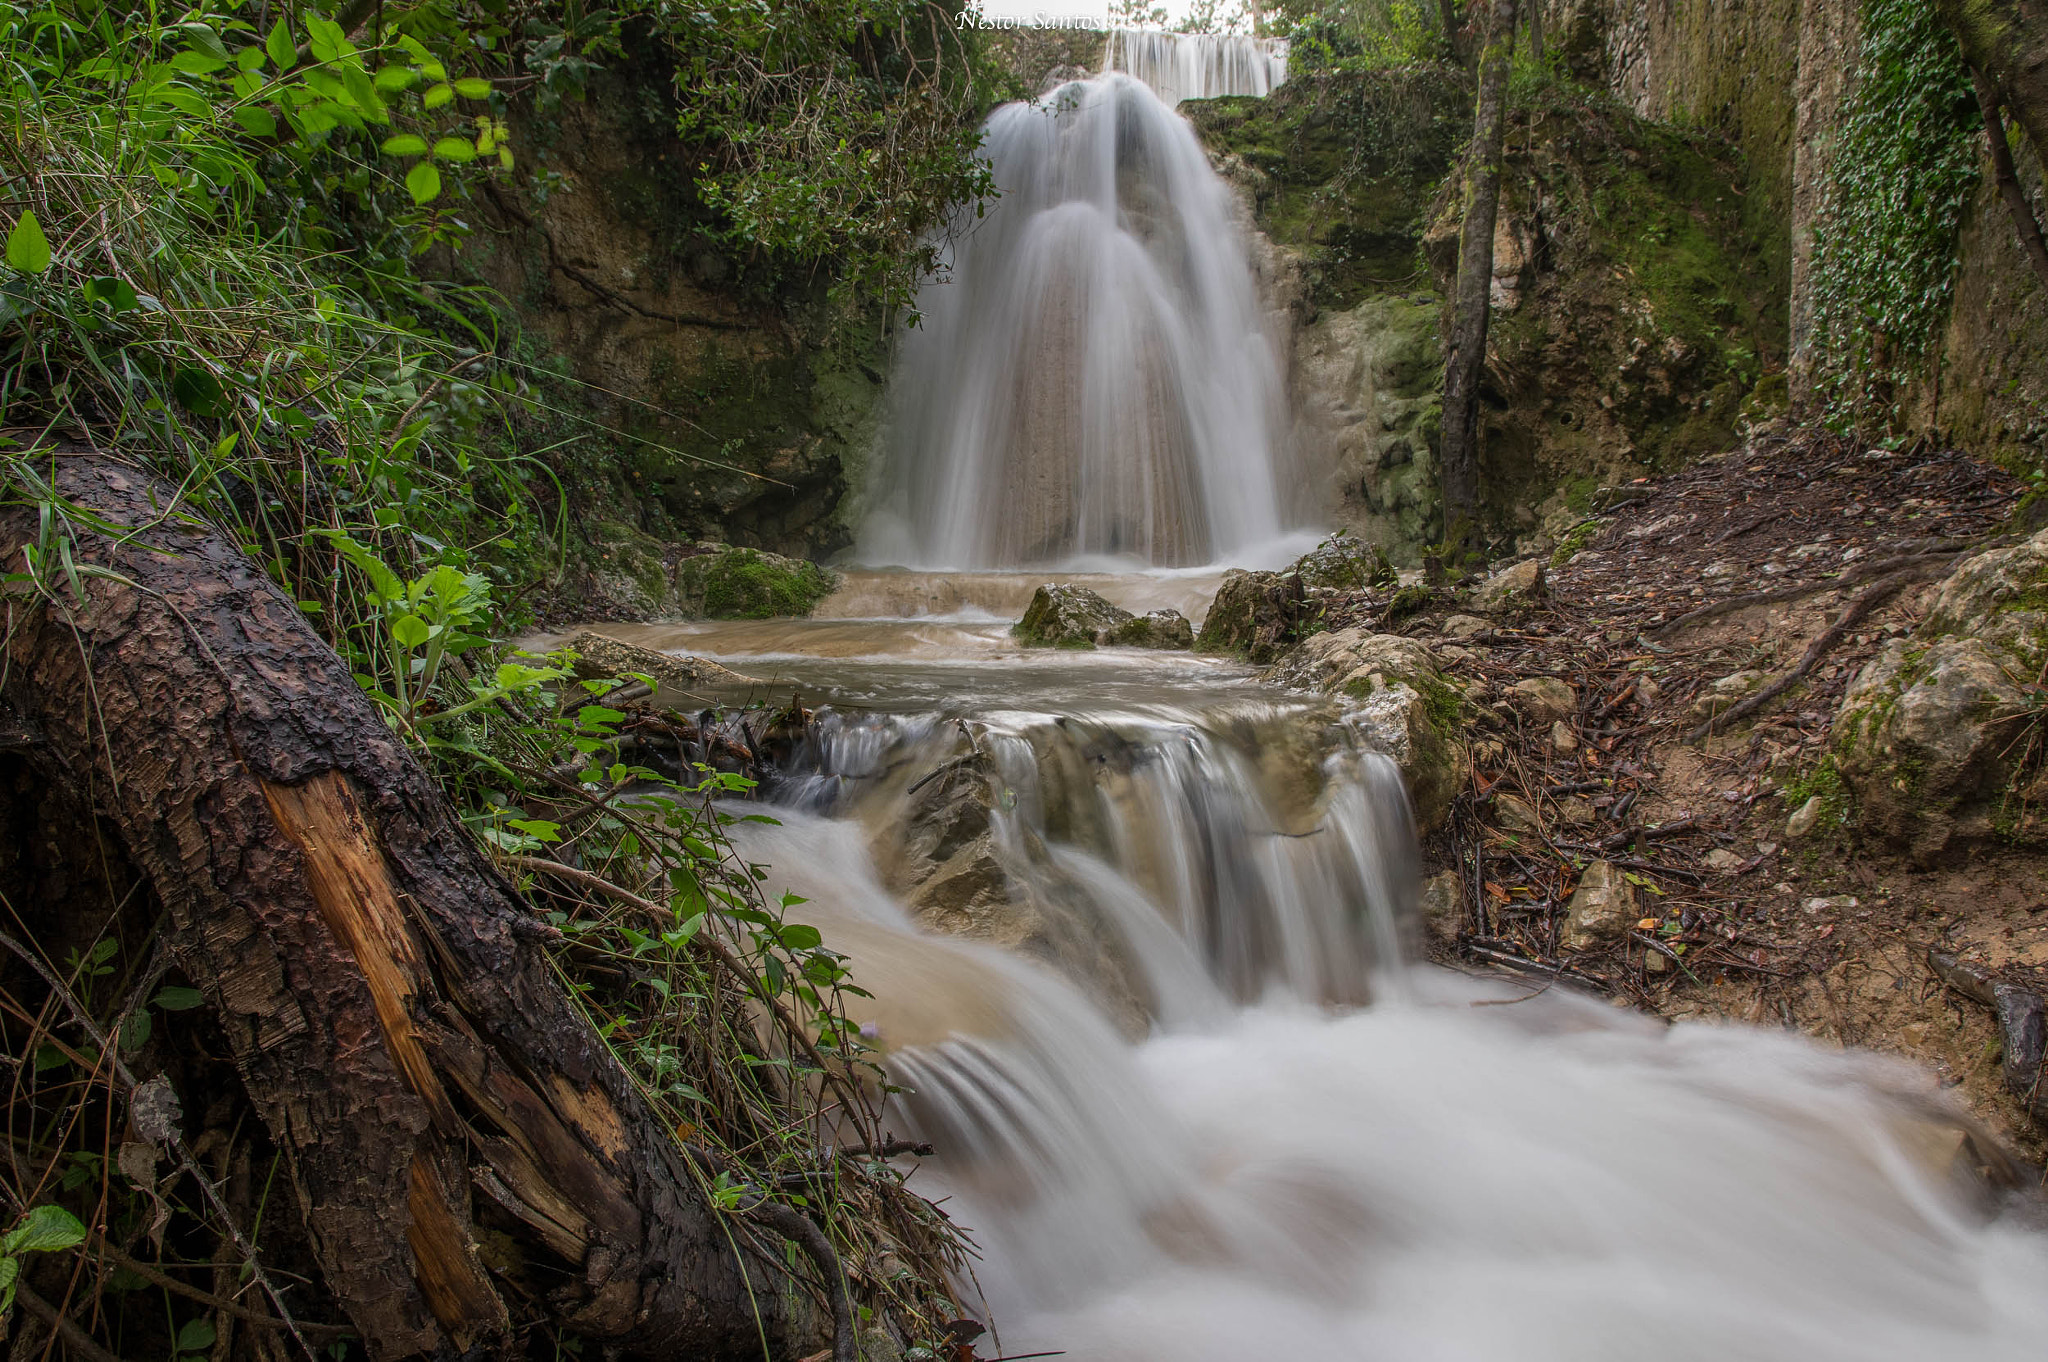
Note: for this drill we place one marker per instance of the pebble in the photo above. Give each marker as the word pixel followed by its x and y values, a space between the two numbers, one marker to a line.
pixel 1562 739
pixel 1829 903
pixel 1724 861
pixel 1804 818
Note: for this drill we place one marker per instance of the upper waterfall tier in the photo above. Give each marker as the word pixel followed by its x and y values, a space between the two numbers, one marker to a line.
pixel 1199 65
pixel 1093 378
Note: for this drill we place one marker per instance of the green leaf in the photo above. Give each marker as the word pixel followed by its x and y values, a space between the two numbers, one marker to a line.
pixel 115 293
pixel 392 79
pixel 199 392
pixel 455 149
pixel 438 94
pixel 325 38
pixel 405 144
pixel 174 998
pixel 28 250
pixel 283 54
pixel 45 1229
pixel 135 1031
pixel 196 1336
pixel 423 182
pixel 505 157
pixel 411 631
pixel 473 87
pixel 256 122
pixel 797 936
pixel 249 59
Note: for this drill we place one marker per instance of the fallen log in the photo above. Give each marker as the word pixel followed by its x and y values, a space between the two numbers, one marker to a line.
pixel 384 991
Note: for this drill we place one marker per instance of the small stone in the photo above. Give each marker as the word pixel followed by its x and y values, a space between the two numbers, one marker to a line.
pixel 1443 902
pixel 1562 739
pixel 1602 906
pixel 1647 690
pixel 1829 903
pixel 1803 819
pixel 1655 962
pixel 1510 587
pixel 1465 626
pixel 1723 861
pixel 1577 811
pixel 1766 848
pixel 1516 815
pixel 1543 697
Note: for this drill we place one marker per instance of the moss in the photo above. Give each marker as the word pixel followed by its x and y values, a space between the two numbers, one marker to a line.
pixel 745 584
pixel 1407 602
pixel 1824 780
pixel 1575 539
pixel 1441 702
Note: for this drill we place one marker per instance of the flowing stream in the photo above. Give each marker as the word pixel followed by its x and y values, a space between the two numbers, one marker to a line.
pixel 1141 931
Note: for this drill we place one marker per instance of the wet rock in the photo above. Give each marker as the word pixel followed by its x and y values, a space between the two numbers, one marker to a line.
pixel 1543 698
pixel 1343 562
pixel 600 657
pixel 1162 629
pixel 1254 616
pixel 1443 904
pixel 1601 909
pixel 1805 818
pixel 1509 588
pixel 1516 814
pixel 1465 626
pixel 1402 705
pixel 727 583
pixel 1062 616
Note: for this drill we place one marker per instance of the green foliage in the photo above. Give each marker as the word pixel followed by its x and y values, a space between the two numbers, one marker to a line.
pixel 1905 165
pixel 741 584
pixel 1362 35
pixel 42 1229
pixel 834 133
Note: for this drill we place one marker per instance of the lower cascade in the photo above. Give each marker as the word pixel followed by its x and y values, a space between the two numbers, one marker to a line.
pixel 1093 378
pixel 1198 65
pixel 1142 938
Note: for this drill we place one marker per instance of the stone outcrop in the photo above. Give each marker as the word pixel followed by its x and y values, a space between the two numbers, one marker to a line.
pixel 1401 704
pixel 601 657
pixel 1932 738
pixel 1253 617
pixel 1509 589
pixel 1601 910
pixel 1064 616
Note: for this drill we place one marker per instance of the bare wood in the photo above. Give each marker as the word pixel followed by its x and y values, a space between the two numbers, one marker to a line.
pixel 2008 180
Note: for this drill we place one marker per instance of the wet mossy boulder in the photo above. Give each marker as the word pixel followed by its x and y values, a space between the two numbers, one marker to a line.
pixel 1065 616
pixel 727 583
pixel 1343 562
pixel 1254 616
pixel 1931 738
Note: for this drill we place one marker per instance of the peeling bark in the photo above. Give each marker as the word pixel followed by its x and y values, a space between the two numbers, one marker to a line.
pixel 384 991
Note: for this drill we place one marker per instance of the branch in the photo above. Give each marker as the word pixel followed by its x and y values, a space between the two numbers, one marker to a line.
pixel 2008 181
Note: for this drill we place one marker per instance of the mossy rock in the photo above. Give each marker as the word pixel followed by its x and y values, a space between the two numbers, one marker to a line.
pixel 728 583
pixel 1063 616
pixel 1255 616
pixel 1343 562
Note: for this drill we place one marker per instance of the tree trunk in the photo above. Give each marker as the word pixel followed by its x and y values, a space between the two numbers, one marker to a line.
pixel 2007 40
pixel 1466 364
pixel 2008 181
pixel 384 992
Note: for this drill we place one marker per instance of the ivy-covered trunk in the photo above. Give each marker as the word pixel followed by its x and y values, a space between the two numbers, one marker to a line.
pixel 385 995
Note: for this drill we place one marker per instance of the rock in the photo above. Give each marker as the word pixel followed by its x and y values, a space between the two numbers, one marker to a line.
pixel 1162 629
pixel 1723 861
pixel 673 675
pixel 727 583
pixel 1322 661
pixel 1725 694
pixel 1509 588
pixel 1516 814
pixel 1465 626
pixel 1577 810
pixel 1925 743
pixel 1062 616
pixel 1543 698
pixel 1254 616
pixel 1804 818
pixel 1829 903
pixel 1655 962
pixel 1562 739
pixel 1443 903
pixel 1600 909
pixel 1343 562
pixel 1647 691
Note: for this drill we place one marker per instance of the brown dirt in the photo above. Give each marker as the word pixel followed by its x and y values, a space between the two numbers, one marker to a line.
pixel 1823 933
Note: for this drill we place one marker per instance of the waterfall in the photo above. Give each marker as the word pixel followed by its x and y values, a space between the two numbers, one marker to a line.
pixel 1198 65
pixel 1093 378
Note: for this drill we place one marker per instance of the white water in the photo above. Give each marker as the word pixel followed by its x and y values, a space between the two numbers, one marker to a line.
pixel 1310 1150
pixel 1199 65
pixel 1093 381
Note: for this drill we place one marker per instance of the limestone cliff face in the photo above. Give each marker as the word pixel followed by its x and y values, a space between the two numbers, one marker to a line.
pixel 1774 76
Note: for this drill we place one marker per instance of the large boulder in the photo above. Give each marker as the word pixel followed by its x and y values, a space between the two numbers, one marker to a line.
pixel 1929 738
pixel 1254 616
pixel 721 582
pixel 1163 629
pixel 1343 562
pixel 1402 705
pixel 1509 589
pixel 1063 616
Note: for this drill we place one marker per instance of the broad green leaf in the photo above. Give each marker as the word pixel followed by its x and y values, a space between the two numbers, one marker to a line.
pixel 247 85
pixel 196 1337
pixel 423 182
pixel 799 937
pixel 363 93
pixel 135 1031
pixel 256 122
pixel 199 392
pixel 176 998
pixel 197 63
pixel 505 157
pixel 392 79
pixel 324 37
pixel 250 58
pixel 405 144
pixel 437 95
pixel 205 39
pixel 283 53
pixel 10 1269
pixel 28 250
pixel 45 1229
pixel 115 293
pixel 473 87
pixel 411 630
pixel 455 149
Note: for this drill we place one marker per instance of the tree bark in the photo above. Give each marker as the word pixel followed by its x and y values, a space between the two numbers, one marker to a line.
pixel 2007 178
pixel 1465 366
pixel 385 993
pixel 2007 40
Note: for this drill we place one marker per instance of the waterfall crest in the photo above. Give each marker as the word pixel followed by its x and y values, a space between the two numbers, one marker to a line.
pixel 1093 380
pixel 1198 65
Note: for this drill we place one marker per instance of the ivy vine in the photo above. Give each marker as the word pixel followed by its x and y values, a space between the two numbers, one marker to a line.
pixel 1884 257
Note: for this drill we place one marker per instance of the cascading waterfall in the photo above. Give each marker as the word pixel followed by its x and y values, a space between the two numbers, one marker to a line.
pixel 1093 378
pixel 1198 65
